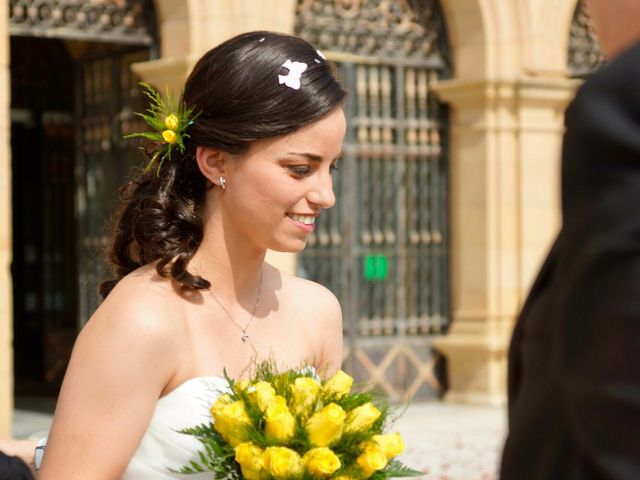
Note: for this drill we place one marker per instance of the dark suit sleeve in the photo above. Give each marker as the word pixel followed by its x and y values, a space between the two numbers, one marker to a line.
pixel 12 468
pixel 598 299
pixel 601 351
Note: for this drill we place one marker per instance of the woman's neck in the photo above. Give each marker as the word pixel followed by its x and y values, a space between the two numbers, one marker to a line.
pixel 232 264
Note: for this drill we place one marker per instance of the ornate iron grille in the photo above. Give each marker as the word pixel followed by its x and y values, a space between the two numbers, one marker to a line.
pixel 108 96
pixel 584 55
pixel 383 250
pixel 113 21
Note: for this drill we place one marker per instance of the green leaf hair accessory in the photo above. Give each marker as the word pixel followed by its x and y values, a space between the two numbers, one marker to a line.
pixel 168 119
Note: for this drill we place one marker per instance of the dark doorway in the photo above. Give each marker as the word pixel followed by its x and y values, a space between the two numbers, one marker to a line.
pixel 44 265
pixel 71 103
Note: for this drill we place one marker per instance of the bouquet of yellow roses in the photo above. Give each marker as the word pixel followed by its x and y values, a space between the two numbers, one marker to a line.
pixel 290 425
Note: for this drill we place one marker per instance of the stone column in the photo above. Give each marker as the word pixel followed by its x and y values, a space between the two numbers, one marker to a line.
pixel 6 301
pixel 504 213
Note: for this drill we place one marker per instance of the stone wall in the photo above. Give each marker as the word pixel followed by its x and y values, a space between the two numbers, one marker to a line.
pixel 6 316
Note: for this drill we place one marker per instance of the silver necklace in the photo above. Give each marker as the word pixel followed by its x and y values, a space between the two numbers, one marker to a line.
pixel 245 335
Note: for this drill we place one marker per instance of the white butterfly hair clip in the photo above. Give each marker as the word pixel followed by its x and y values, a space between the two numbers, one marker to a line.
pixel 292 79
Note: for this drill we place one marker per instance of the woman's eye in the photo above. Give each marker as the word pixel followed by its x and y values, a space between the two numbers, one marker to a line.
pixel 299 170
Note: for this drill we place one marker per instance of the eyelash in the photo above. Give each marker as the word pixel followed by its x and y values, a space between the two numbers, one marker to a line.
pixel 304 170
pixel 299 170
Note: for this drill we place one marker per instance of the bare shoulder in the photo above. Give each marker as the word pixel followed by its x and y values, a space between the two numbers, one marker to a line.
pixel 141 311
pixel 122 360
pixel 316 300
pixel 316 309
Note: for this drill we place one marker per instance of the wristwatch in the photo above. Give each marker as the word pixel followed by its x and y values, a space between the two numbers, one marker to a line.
pixel 37 459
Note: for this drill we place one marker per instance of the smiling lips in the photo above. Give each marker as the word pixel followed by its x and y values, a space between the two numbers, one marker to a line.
pixel 305 221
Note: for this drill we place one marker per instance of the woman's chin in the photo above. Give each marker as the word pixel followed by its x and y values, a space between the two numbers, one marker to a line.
pixel 292 246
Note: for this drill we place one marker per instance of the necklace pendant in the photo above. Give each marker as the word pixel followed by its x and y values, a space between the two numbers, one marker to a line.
pixel 245 338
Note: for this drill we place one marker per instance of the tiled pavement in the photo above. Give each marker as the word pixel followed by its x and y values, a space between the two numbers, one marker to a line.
pixel 447 442
pixel 453 442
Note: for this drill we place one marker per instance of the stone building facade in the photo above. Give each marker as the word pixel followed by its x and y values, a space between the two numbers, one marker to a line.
pixel 481 85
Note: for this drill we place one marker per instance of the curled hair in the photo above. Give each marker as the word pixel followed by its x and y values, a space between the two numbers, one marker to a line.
pixel 235 89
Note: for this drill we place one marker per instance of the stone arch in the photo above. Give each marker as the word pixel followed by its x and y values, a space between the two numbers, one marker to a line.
pixel 467 36
pixel 193 27
pixel 173 22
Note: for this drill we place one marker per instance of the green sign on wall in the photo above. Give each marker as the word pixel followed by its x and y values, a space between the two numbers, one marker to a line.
pixel 375 267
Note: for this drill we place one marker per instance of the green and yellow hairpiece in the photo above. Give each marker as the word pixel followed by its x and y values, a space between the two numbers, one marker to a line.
pixel 168 119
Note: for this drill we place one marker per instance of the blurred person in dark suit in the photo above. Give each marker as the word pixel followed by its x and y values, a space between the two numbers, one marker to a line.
pixel 574 361
pixel 13 455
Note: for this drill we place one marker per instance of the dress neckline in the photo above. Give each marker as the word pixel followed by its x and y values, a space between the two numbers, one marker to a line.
pixel 309 369
pixel 189 381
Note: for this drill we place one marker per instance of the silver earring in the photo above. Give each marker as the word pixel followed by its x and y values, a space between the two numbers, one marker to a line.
pixel 223 183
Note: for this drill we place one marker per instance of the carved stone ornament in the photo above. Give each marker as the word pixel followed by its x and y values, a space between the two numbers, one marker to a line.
pixel 406 28
pixel 116 21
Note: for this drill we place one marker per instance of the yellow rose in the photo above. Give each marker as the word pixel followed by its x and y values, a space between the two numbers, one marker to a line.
pixel 325 426
pixel 282 462
pixel 231 420
pixel 371 459
pixel 305 393
pixel 279 423
pixel 221 402
pixel 342 477
pixel 338 386
pixel 240 386
pixel 262 393
pixel 321 462
pixel 169 136
pixel 249 456
pixel 391 444
pixel 361 418
pixel 171 122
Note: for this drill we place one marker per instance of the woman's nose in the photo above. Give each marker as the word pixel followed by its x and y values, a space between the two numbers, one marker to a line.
pixel 321 193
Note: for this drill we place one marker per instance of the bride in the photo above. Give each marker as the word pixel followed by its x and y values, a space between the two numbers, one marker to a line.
pixel 193 293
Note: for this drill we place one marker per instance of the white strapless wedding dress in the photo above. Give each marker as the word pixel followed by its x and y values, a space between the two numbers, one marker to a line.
pixel 162 448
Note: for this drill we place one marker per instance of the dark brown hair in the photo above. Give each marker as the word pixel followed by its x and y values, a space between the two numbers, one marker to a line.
pixel 235 89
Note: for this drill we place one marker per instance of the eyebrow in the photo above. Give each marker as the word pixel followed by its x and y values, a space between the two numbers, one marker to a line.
pixel 311 156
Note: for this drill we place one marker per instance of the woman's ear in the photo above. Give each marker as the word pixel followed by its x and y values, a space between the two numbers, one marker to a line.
pixel 212 164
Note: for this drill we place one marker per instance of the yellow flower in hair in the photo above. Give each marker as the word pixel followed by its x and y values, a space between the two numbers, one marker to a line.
pixel 391 444
pixel 279 423
pixel 321 462
pixel 170 136
pixel 282 462
pixel 171 122
pixel 325 426
pixel 249 456
pixel 362 417
pixel 371 459
pixel 339 385
pixel 166 130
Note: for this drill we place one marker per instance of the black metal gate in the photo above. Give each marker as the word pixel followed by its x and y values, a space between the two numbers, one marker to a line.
pixel 383 250
pixel 108 95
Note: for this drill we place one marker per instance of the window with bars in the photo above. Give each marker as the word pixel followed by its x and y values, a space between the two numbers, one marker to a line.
pixel 384 249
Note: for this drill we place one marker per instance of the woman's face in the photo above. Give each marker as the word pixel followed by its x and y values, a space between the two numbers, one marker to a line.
pixel 277 189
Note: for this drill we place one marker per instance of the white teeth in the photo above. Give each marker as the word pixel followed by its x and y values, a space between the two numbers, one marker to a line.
pixel 303 219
